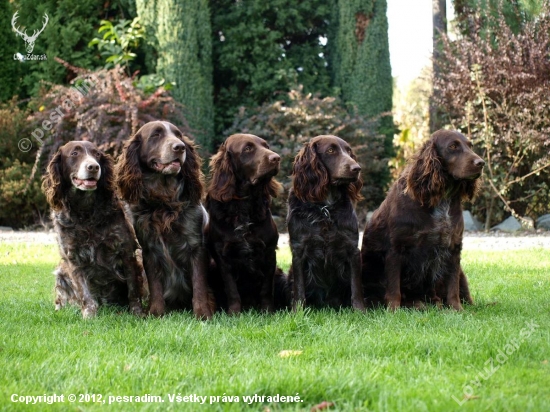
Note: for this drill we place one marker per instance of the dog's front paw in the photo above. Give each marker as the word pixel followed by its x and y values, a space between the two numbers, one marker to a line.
pixel 137 310
pixel 202 311
pixel 89 311
pixel 157 309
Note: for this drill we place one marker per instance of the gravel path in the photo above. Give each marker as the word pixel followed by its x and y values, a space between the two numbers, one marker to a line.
pixel 472 240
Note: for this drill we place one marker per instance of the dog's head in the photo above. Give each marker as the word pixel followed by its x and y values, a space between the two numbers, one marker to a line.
pixel 243 159
pixel 446 160
pixel 160 148
pixel 79 165
pixel 324 161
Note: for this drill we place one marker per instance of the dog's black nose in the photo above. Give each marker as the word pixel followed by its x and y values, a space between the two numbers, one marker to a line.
pixel 92 167
pixel 274 158
pixel 479 162
pixel 178 147
pixel 355 168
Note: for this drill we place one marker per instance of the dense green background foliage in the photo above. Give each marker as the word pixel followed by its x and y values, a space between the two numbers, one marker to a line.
pixel 262 49
pixel 21 200
pixel 360 58
pixel 180 32
pixel 72 24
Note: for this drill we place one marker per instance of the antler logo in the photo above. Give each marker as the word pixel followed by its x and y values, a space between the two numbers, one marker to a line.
pixel 28 39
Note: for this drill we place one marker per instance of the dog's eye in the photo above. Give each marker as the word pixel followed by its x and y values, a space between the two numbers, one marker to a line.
pixel 98 155
pixel 331 150
pixel 75 153
pixel 454 146
pixel 248 148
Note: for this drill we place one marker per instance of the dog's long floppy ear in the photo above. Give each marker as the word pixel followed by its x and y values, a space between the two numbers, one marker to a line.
pixel 52 182
pixel 107 179
pixel 128 171
pixel 223 182
pixel 192 174
pixel 310 176
pixel 354 188
pixel 274 188
pixel 425 179
pixel 469 189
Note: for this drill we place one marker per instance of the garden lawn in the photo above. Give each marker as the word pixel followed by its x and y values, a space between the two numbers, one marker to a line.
pixel 493 356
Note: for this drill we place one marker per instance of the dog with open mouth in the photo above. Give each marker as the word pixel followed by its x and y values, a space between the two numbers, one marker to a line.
pixel 96 240
pixel 241 234
pixel 159 176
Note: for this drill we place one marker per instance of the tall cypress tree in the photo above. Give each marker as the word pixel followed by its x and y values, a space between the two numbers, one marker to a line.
pixel 360 62
pixel 182 39
pixel 360 57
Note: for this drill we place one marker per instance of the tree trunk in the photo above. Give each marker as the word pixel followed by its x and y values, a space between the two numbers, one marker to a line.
pixel 439 18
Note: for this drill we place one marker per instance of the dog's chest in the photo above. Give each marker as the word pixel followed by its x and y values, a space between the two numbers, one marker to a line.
pixel 86 245
pixel 442 225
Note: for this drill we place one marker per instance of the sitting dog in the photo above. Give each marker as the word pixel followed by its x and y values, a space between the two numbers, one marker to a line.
pixel 159 176
pixel 411 246
pixel 96 240
pixel 322 225
pixel 241 234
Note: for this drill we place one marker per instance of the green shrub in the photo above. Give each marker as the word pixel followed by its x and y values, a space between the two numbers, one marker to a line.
pixel 287 126
pixel 71 26
pixel 22 202
pixel 9 68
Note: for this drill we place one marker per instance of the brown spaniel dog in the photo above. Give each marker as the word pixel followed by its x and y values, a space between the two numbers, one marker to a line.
pixel 322 225
pixel 241 234
pixel 96 240
pixel 159 176
pixel 411 247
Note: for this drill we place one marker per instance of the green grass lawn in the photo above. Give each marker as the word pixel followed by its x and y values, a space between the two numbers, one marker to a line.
pixel 494 356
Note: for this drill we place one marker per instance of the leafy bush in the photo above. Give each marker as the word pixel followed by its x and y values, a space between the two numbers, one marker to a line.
pixel 9 68
pixel 287 126
pixel 21 200
pixel 119 42
pixel 72 24
pixel 495 88
pixel 103 107
pixel 411 114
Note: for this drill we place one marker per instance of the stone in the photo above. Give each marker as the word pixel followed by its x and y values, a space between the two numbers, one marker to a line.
pixel 543 222
pixel 509 225
pixel 471 224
